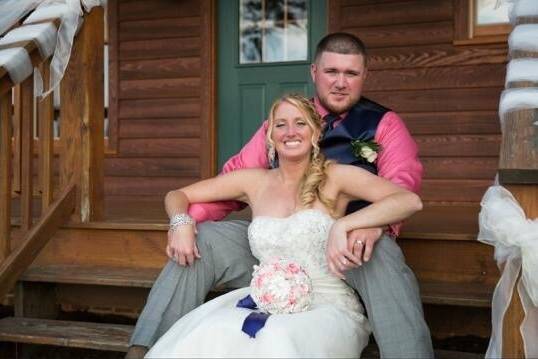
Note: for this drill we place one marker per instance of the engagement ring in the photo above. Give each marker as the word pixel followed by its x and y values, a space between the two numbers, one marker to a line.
pixel 359 242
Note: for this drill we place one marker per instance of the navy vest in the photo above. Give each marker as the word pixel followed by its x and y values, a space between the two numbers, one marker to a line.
pixel 360 123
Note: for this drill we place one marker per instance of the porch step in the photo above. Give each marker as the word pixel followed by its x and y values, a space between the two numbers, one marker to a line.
pixel 95 275
pixel 97 336
pixel 432 292
pixel 460 294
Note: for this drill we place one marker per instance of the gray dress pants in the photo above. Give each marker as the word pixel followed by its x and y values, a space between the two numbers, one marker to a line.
pixel 386 285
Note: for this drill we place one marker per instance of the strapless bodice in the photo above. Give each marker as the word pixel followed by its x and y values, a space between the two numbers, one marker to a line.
pixel 301 237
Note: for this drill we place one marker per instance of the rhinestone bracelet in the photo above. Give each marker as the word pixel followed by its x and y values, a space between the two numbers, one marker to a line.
pixel 180 219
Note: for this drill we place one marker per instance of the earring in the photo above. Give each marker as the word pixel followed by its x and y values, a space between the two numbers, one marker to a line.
pixel 271 152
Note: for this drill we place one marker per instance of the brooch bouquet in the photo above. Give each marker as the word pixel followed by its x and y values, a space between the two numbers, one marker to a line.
pixel 281 286
pixel 367 150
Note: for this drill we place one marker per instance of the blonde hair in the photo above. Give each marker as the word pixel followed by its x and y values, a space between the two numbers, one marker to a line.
pixel 315 176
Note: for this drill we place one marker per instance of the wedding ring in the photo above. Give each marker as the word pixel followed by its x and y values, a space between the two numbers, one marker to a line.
pixel 359 242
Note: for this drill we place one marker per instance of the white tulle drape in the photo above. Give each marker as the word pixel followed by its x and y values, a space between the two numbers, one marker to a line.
pixel 503 224
pixel 69 11
pixel 502 221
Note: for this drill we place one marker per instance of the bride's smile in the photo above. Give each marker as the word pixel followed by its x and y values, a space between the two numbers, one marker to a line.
pixel 292 134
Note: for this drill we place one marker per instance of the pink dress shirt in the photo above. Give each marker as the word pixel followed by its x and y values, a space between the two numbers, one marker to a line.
pixel 398 162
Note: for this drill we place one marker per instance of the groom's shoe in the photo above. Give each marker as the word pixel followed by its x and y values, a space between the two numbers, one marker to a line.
pixel 136 352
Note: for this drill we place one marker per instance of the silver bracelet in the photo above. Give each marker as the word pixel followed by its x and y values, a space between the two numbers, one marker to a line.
pixel 179 220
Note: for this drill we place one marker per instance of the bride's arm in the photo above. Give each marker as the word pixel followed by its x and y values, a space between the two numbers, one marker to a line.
pixel 231 186
pixel 390 204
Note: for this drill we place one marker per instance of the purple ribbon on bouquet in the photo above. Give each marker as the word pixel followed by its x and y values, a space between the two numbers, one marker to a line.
pixel 255 320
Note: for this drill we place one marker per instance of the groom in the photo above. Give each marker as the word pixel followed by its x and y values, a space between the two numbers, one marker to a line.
pixel 385 283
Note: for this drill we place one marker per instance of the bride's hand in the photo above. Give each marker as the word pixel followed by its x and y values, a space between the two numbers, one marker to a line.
pixel 181 246
pixel 339 257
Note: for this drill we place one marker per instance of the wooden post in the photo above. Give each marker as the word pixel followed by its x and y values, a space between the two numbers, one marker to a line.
pixel 27 151
pixel 518 172
pixel 5 175
pixel 527 196
pixel 45 110
pixel 82 117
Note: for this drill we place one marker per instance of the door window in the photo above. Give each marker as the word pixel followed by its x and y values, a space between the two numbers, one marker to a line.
pixel 273 31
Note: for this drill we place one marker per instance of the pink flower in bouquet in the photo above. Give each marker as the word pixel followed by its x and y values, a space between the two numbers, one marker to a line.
pixel 281 286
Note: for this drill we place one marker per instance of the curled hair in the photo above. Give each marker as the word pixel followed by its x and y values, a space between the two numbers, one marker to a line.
pixel 315 176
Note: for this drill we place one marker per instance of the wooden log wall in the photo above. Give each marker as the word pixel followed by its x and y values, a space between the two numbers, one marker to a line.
pixel 448 95
pixel 161 95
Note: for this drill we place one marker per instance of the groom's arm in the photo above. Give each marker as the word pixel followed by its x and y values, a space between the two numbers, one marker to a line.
pixel 252 155
pixel 398 159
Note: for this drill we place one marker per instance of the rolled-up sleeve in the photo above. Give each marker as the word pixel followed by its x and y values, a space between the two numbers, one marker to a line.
pixel 398 158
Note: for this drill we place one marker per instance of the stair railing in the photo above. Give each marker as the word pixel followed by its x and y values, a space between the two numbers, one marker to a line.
pixel 79 196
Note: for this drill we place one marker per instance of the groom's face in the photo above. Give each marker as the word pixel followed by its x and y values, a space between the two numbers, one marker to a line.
pixel 338 79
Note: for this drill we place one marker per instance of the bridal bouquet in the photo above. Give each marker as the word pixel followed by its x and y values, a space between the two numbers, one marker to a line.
pixel 281 286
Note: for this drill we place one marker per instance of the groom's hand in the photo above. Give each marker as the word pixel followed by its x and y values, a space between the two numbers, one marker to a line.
pixel 339 257
pixel 361 242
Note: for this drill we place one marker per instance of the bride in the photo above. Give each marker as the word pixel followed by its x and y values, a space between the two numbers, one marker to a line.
pixel 298 213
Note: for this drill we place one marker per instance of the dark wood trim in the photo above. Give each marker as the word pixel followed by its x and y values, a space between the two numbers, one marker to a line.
pixel 111 147
pixel 518 176
pixel 208 158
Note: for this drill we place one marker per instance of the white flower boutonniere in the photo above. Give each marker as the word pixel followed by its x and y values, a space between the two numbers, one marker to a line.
pixel 365 149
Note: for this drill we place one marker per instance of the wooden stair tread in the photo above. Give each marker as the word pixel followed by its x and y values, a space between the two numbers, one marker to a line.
pixel 97 275
pixel 473 295
pixel 114 337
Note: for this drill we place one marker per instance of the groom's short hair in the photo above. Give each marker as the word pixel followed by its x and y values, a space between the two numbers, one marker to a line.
pixel 341 43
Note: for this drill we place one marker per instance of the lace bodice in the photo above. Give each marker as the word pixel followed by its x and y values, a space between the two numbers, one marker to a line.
pixel 301 237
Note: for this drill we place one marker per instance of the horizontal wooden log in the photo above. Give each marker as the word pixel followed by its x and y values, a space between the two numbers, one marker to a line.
pixel 160 88
pixel 448 190
pixel 436 55
pixel 484 75
pixel 379 14
pixel 159 108
pixel 153 167
pixel 458 145
pixel 160 128
pixel 159 48
pixel 159 147
pixel 437 123
pixel 145 186
pixel 404 35
pixel 460 168
pixel 158 28
pixel 439 100
pixel 142 9
pixel 160 68
pixel 469 261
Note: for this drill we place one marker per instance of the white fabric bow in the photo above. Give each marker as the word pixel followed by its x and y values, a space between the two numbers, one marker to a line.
pixel 503 224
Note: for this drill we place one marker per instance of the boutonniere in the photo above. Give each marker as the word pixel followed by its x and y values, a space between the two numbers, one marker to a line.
pixel 365 149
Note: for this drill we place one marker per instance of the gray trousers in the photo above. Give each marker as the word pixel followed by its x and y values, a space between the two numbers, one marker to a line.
pixel 386 285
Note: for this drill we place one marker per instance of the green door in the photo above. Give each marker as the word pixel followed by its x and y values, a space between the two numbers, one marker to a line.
pixel 264 50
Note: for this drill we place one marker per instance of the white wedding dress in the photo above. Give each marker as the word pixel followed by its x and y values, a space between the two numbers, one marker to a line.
pixel 334 326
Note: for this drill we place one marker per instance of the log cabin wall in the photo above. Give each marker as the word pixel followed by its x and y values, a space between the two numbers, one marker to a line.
pixel 161 93
pixel 448 95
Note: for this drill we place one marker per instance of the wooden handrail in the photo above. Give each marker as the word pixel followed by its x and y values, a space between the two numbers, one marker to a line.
pixel 18 261
pixel 81 159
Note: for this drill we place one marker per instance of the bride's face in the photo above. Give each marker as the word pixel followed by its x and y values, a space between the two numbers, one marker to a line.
pixel 291 133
